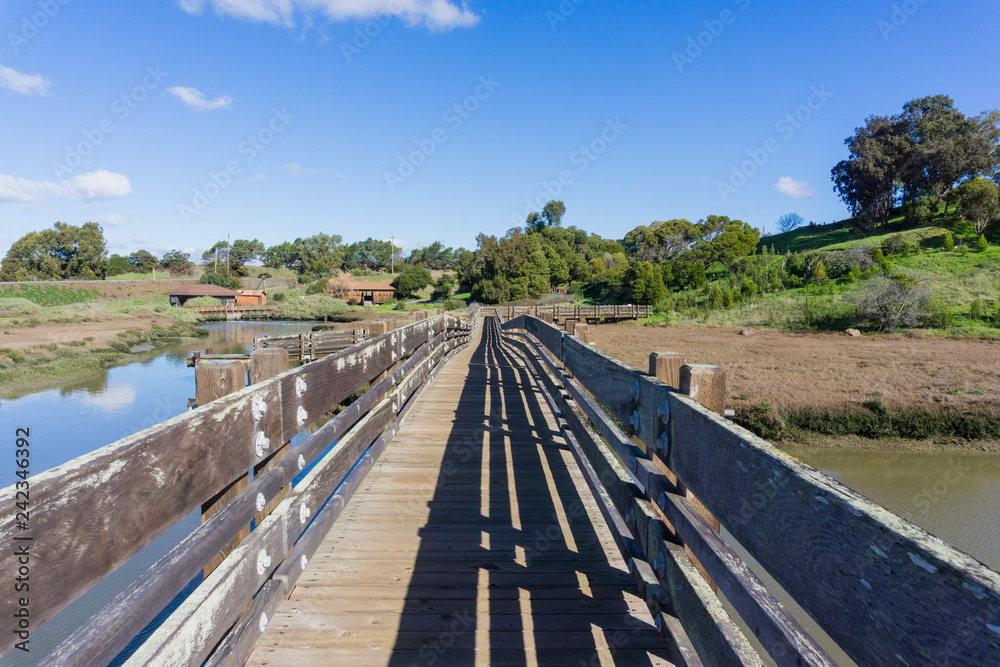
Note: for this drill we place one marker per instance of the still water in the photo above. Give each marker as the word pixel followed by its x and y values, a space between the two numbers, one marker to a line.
pixel 85 415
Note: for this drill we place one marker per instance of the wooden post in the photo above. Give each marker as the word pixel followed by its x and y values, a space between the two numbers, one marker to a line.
pixel 707 385
pixel 582 331
pixel 546 316
pixel 571 326
pixel 439 311
pixel 376 329
pixel 214 381
pixel 390 325
pixel 264 365
pixel 420 315
pixel 666 366
pixel 302 347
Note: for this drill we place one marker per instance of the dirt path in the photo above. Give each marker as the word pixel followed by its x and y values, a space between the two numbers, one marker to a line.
pixel 827 371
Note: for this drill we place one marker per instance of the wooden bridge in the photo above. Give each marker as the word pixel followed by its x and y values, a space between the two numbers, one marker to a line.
pixel 500 493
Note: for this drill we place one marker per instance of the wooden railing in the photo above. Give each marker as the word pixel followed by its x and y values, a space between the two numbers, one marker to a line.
pixel 93 513
pixel 883 589
pixel 312 344
pixel 230 309
pixel 581 313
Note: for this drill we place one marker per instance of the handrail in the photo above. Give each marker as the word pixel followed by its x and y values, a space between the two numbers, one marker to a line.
pixel 882 588
pixel 107 505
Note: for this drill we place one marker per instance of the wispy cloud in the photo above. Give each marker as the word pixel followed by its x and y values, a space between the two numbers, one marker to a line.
pixel 296 169
pixel 92 186
pixel 435 14
pixel 789 187
pixel 196 100
pixel 259 176
pixel 110 220
pixel 26 84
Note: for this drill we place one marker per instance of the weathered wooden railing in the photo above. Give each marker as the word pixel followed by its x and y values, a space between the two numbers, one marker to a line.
pixel 312 344
pixel 581 313
pixel 883 589
pixel 93 513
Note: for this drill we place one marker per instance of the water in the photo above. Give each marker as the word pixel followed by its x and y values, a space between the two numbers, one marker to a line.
pixel 87 414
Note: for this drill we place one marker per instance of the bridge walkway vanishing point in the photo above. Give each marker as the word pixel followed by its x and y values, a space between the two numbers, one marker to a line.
pixel 476 541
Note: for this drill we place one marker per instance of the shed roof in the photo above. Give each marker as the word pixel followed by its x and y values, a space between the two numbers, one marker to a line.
pixel 201 290
pixel 371 285
pixel 250 292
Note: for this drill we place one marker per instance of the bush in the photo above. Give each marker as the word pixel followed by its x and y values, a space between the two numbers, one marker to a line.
pixel 229 282
pixel 312 307
pixel 18 306
pixel 982 244
pixel 453 304
pixel 891 302
pixel 202 302
pixel 278 297
pixel 978 310
pixel 949 241
pixel 318 287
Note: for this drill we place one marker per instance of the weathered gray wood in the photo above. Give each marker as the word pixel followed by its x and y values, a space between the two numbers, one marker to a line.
pixel 96 511
pixel 705 384
pixel 376 329
pixel 216 380
pixel 420 315
pixel 666 367
pixel 877 584
pixel 239 642
pixel 582 332
pixel 264 365
pixel 104 635
pixel 189 634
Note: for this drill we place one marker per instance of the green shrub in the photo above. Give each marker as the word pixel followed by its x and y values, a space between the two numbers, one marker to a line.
pixel 202 302
pixel 278 297
pixel 17 306
pixel 453 304
pixel 318 287
pixel 312 307
pixel 982 244
pixel 949 241
pixel 15 355
pixel 229 282
pixel 978 310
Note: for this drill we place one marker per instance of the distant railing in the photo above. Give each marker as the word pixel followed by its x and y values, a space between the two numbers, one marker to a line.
pixel 883 589
pixel 312 344
pixel 228 309
pixel 90 515
pixel 562 313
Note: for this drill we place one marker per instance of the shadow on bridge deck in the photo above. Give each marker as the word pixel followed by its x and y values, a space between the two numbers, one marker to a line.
pixel 474 542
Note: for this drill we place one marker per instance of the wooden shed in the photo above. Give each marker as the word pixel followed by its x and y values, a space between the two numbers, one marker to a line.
pixel 370 293
pixel 182 294
pixel 251 297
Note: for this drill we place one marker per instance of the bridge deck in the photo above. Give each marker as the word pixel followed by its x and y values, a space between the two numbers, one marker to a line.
pixel 475 541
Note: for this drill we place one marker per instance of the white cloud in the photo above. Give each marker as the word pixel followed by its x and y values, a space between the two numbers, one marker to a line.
pixel 26 84
pixel 435 14
pixel 259 176
pixel 788 186
pixel 196 100
pixel 101 184
pixel 110 220
pixel 296 169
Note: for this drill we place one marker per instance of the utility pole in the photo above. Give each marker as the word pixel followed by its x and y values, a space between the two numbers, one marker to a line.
pixel 216 269
pixel 392 255
pixel 227 255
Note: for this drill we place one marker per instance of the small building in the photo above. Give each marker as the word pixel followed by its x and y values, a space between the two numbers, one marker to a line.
pixel 183 294
pixel 251 297
pixel 364 293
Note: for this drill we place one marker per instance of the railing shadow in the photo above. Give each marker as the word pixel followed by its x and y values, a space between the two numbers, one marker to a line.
pixel 510 568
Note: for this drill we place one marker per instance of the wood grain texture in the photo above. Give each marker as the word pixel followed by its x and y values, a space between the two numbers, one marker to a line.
pixel 666 367
pixel 216 380
pixel 96 511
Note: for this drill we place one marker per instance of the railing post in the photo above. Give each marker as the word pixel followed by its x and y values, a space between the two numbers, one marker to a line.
pixel 376 329
pixel 570 326
pixel 302 347
pixel 582 332
pixel 666 367
pixel 214 381
pixel 264 365
pixel 707 385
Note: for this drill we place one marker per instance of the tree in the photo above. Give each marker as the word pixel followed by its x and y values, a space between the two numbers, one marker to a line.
pixel 443 288
pixel 221 280
pixel 412 280
pixel 891 302
pixel 644 284
pixel 240 251
pixel 117 265
pixel 789 221
pixel 725 240
pixel 143 261
pixel 63 252
pixel 177 262
pixel 866 182
pixel 551 216
pixel 980 202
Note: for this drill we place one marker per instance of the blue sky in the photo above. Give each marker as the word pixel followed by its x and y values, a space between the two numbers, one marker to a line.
pixel 177 122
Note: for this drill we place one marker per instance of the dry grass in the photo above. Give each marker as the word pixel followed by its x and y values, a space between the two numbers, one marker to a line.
pixel 828 372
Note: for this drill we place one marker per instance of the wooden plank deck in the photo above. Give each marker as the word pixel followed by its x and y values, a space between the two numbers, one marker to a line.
pixel 475 541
